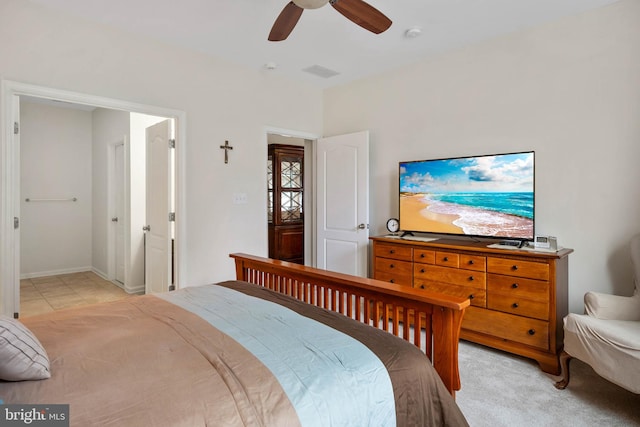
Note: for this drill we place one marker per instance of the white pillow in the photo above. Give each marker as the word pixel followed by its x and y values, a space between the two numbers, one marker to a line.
pixel 22 357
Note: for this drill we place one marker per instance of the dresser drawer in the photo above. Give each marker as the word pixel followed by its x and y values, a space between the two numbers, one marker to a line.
pixel 477 296
pixel 394 266
pixel 536 290
pixel 473 262
pixel 393 251
pixel 436 274
pixel 424 256
pixel 520 306
pixel 396 277
pixel 518 268
pixel 448 259
pixel 524 330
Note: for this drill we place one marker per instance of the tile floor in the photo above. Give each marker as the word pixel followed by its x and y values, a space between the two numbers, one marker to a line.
pixel 45 294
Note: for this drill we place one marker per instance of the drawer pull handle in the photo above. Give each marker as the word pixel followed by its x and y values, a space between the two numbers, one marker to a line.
pixel 392 266
pixel 422 270
pixel 421 286
pixel 471 296
pixel 514 286
pixel 515 267
pixel 392 281
pixel 470 262
pixel 514 305
pixel 532 331
pixel 471 278
pixel 392 251
pixel 422 255
pixel 446 259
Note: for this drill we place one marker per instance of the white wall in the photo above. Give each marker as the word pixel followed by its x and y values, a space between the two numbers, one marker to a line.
pixel 569 90
pixel 55 163
pixel 222 101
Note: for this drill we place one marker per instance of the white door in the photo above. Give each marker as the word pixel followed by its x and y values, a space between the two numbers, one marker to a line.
pixel 342 174
pixel 119 217
pixel 157 271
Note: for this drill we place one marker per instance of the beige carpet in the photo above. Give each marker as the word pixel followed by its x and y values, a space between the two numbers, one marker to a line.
pixel 499 389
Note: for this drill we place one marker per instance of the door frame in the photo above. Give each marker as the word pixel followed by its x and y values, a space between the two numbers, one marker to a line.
pixel 10 179
pixel 111 207
pixel 308 203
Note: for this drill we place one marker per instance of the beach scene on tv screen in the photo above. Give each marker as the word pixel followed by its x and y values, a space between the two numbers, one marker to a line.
pixel 479 196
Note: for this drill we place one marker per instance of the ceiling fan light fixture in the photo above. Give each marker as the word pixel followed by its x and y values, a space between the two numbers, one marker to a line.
pixel 310 4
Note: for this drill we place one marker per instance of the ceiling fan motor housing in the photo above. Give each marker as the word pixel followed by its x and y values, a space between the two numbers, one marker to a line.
pixel 310 4
pixel 357 11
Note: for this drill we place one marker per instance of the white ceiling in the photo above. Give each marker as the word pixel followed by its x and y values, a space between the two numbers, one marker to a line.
pixel 237 30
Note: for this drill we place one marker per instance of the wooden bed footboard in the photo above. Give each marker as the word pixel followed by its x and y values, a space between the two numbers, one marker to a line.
pixel 435 319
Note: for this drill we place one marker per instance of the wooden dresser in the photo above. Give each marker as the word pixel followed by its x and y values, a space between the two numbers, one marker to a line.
pixel 518 297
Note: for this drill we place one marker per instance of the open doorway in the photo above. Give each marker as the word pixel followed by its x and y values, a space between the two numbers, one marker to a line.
pixel 88 218
pixel 290 215
pixel 335 203
pixel 82 181
pixel 286 194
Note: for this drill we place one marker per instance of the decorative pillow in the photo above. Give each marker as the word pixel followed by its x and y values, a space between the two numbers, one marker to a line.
pixel 22 357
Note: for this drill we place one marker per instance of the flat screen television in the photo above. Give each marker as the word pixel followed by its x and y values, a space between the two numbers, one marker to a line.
pixel 479 196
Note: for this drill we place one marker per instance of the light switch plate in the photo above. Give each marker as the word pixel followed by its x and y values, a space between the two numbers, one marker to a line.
pixel 240 199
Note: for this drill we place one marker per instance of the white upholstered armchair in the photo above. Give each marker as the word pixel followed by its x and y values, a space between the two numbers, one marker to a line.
pixel 607 337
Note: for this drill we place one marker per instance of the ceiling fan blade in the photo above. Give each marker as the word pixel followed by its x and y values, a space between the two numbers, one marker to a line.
pixel 285 22
pixel 363 14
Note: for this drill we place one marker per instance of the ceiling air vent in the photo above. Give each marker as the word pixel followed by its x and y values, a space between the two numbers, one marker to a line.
pixel 320 71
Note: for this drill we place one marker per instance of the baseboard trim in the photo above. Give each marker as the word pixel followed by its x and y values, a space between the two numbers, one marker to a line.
pixel 137 290
pixel 100 273
pixel 140 289
pixel 55 272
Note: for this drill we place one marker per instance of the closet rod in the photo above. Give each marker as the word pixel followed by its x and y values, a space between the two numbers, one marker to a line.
pixel 70 199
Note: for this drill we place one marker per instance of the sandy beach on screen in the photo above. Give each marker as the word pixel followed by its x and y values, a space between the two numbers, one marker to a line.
pixel 415 216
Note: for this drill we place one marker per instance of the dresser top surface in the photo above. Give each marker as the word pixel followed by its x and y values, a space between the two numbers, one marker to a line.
pixel 472 246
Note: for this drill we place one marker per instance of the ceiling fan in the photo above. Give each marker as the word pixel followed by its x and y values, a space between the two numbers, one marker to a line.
pixel 358 11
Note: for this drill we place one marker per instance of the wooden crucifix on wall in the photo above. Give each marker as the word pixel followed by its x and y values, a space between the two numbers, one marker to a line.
pixel 226 147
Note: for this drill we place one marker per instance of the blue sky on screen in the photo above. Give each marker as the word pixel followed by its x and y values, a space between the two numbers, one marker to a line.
pixel 497 173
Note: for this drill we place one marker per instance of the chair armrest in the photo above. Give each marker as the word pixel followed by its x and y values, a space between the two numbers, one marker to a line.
pixel 612 307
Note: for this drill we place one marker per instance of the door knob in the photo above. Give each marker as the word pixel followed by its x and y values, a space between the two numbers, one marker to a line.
pixel 146 228
pixel 362 226
pixel 114 219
